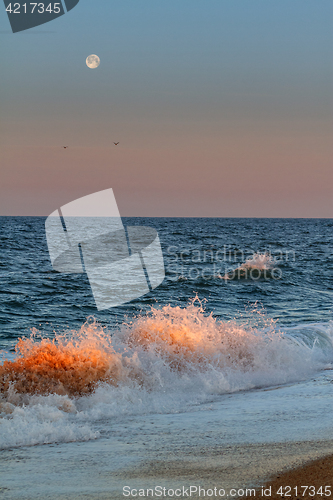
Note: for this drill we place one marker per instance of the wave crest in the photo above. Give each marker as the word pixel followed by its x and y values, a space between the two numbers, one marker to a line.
pixel 257 266
pixel 167 346
pixel 64 366
pixel 188 339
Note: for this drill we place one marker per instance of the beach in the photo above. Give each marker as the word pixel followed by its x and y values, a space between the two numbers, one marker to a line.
pixel 218 379
pixel 166 250
pixel 82 472
pixel 312 480
pixel 223 444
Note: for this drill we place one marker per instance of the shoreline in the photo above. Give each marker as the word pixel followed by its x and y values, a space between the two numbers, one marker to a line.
pixel 98 470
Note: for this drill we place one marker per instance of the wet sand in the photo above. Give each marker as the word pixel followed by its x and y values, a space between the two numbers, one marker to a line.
pixel 100 470
pixel 240 441
pixel 312 481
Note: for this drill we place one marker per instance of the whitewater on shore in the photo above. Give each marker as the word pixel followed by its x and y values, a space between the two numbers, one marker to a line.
pixel 164 361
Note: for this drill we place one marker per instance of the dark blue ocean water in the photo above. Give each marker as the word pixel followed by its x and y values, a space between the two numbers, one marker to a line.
pixel 176 360
pixel 197 253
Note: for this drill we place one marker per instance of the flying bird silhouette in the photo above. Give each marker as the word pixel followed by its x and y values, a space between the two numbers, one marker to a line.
pixel 116 143
pixel 65 147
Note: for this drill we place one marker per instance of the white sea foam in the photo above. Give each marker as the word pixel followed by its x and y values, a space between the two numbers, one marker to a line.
pixel 258 265
pixel 43 423
pixel 163 362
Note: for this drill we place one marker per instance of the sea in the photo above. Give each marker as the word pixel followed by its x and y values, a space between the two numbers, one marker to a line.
pixel 234 348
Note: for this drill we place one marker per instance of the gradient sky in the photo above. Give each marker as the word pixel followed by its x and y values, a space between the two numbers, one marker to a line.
pixel 222 108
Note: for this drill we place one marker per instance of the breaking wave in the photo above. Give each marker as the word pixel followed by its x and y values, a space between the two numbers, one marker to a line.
pixel 169 359
pixel 259 265
pixel 65 366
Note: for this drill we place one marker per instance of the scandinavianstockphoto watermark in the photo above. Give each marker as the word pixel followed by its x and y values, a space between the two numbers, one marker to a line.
pixel 227 262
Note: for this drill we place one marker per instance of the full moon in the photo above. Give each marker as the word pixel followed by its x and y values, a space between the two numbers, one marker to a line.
pixel 93 61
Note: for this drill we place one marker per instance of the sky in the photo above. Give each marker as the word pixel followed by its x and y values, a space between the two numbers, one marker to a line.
pixel 222 108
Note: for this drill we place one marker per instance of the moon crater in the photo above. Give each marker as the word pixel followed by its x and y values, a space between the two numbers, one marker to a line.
pixel 93 61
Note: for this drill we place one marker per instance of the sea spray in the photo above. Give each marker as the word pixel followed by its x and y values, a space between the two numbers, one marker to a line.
pixel 259 265
pixel 67 365
pixel 181 339
pixel 163 361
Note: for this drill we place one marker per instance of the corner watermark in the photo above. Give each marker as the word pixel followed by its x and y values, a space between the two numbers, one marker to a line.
pixel 26 15
pixel 189 491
